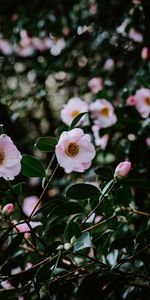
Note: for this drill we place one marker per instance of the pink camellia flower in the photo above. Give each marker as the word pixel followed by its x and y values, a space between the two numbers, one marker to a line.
pixel 28 204
pixel 135 36
pixel 74 150
pixel 145 53
pixel 8 209
pixel 131 101
pixel 142 97
pixel 100 141
pixel 102 112
pixel 96 84
pixel 23 227
pixel 72 109
pixel 122 169
pixel 10 158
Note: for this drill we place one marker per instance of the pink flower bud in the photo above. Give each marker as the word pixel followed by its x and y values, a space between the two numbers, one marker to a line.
pixel 8 209
pixel 122 169
pixel 145 53
pixel 131 101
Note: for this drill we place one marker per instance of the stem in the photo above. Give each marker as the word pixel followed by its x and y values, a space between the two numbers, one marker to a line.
pixel 98 224
pixel 40 198
pixel 135 211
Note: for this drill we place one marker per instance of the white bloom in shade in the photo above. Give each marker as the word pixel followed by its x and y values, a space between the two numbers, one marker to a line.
pixel 10 158
pixel 122 169
pixel 29 203
pixel 100 141
pixel 74 150
pixel 142 105
pixel 103 113
pixel 96 84
pixel 72 109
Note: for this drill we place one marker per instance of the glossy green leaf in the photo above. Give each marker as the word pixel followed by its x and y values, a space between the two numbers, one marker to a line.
pixel 84 241
pixel 32 167
pixel 82 191
pixel 11 249
pixel 76 120
pixel 46 144
pixel 67 209
pixel 72 229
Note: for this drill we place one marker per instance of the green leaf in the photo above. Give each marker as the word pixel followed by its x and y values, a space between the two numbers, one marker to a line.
pixel 123 195
pixel 105 173
pixel 77 119
pixel 32 167
pixel 143 236
pixel 84 241
pixel 123 242
pixel 72 229
pixel 11 249
pixel 67 209
pixel 16 189
pixel 107 187
pixel 46 144
pixel 61 129
pixel 102 243
pixel 82 191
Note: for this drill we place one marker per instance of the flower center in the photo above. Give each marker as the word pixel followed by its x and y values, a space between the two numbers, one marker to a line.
pixel 75 113
pixel 104 112
pixel 2 156
pixel 147 100
pixel 72 149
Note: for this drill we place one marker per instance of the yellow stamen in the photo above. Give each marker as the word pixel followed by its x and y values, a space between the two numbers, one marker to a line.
pixel 2 156
pixel 75 113
pixel 72 149
pixel 147 100
pixel 104 112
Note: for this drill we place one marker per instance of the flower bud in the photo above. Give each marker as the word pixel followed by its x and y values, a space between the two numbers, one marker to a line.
pixel 67 246
pixel 122 169
pixel 8 209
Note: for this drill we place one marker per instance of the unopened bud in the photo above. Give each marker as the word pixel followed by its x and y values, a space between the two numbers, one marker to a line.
pixel 122 169
pixel 8 209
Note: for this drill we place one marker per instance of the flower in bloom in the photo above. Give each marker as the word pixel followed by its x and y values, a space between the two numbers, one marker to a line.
pixel 29 203
pixel 95 84
pixel 74 150
pixel 100 141
pixel 23 227
pixel 8 209
pixel 10 158
pixel 142 97
pixel 103 113
pixel 72 109
pixel 122 169
pixel 131 101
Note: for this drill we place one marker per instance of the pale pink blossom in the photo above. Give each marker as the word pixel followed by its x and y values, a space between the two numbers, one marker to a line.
pixel 10 158
pixel 57 46
pixel 96 84
pixel 131 101
pixel 24 227
pixel 29 203
pixel 109 64
pixel 74 150
pixel 6 285
pixel 103 113
pixel 145 53
pixel 122 169
pixel 6 47
pixel 148 141
pixel 142 97
pixel 135 36
pixel 72 109
pixel 100 141
pixel 25 51
pixel 38 44
pixel 8 209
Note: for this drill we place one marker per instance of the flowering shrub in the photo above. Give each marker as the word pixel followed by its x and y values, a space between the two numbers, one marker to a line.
pixel 74 150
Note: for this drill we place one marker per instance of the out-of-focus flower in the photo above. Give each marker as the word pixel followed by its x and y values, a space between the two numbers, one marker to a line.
pixel 6 47
pixel 131 101
pixel 10 158
pixel 38 44
pixel 6 285
pixel 8 209
pixel 135 35
pixel 142 97
pixel 57 46
pixel 23 227
pixel 145 53
pixel 29 203
pixel 92 8
pixel 122 169
pixel 148 141
pixel 109 64
pixel 74 150
pixel 100 141
pixel 103 113
pixel 96 84
pixel 72 109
